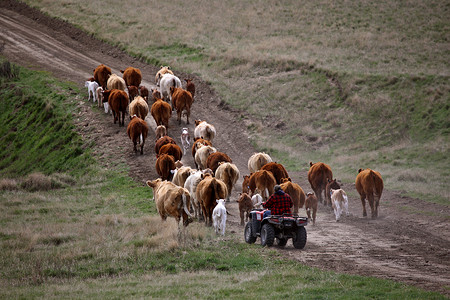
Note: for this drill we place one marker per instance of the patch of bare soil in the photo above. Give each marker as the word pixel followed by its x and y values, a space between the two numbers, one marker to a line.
pixel 409 242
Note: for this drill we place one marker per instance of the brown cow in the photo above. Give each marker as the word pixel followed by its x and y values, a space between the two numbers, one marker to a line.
pixel 208 191
pixel 245 206
pixel 257 160
pixel 181 100
pixel 331 184
pixel 137 130
pixel 143 92
pixel 264 182
pixel 133 92
pixel 277 170
pixel 164 165
pixel 311 206
pixel 139 107
pixel 295 191
pixel 318 176
pixel 132 76
pixel 163 141
pixel 171 149
pixel 246 184
pixel 369 185
pixel 101 75
pixel 118 102
pixel 228 173
pixel 161 112
pixel 171 200
pixel 190 87
pixel 214 159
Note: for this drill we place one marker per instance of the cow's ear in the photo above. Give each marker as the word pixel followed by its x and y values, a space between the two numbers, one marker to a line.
pixel 310 163
pixel 359 171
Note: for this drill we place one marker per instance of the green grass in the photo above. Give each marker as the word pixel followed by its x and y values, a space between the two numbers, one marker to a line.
pixel 99 236
pixel 37 133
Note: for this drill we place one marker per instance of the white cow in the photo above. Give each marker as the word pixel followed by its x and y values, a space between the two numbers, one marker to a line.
pixel 167 81
pixel 191 185
pixel 204 130
pixel 92 89
pixel 339 201
pixel 219 217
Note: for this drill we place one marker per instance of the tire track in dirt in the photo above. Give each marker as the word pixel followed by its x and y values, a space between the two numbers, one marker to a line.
pixel 409 242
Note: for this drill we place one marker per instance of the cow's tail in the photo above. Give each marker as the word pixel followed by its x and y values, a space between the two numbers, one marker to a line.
pixel 141 139
pixel 375 180
pixel 266 193
pixel 185 208
pixel 208 133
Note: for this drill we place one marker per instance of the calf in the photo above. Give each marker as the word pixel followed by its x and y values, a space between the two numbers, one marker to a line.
pixel 311 206
pixel 92 89
pixel 339 201
pixel 246 184
pixel 191 185
pixel 160 131
pixel 190 87
pixel 185 140
pixel 245 206
pixel 132 91
pixel 137 130
pixel 332 184
pixel 143 91
pixel 100 102
pixel 219 216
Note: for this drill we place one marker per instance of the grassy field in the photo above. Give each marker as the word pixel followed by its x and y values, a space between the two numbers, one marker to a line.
pixel 86 232
pixel 359 83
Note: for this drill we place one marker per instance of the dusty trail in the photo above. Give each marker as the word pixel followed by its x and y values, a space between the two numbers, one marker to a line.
pixel 409 242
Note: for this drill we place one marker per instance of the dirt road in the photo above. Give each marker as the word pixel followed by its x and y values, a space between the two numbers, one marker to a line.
pixel 409 242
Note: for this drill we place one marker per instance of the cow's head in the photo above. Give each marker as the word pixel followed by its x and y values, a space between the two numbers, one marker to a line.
pixel 153 184
pixel 197 122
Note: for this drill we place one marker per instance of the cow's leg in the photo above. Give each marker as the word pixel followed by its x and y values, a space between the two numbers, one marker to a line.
pixel 363 201
pixel 377 201
pixel 337 212
pixel 314 215
pixel 114 115
pixel 179 116
pixel 188 113
pixel 318 192
pixel 142 146
pixel 241 213
pixel 372 205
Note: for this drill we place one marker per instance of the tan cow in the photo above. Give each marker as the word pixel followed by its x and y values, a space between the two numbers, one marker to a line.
pixel 257 160
pixel 201 156
pixel 208 191
pixel 204 130
pixel 295 191
pixel 138 107
pixel 115 82
pixel 181 174
pixel 171 201
pixel 228 173
pixel 369 185
pixel 318 176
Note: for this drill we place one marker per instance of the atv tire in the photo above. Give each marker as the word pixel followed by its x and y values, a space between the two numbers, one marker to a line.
pixel 267 235
pixel 299 240
pixel 248 234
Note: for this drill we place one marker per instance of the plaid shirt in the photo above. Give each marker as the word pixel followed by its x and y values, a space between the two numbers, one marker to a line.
pixel 279 203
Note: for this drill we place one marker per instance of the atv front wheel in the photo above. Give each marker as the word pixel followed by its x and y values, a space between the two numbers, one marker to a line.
pixel 248 234
pixel 267 235
pixel 299 240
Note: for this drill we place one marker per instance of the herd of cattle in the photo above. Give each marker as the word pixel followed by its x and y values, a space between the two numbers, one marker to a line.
pixel 185 193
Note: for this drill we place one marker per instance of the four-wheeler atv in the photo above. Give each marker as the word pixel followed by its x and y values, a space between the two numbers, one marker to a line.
pixel 280 227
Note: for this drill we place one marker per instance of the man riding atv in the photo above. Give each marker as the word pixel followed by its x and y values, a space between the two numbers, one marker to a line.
pixel 279 203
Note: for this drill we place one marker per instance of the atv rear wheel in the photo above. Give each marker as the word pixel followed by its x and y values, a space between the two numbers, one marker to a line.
pixel 299 240
pixel 248 234
pixel 281 242
pixel 267 235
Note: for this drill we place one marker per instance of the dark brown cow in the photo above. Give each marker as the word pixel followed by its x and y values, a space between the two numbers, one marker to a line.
pixel 264 182
pixel 245 206
pixel 101 75
pixel 133 91
pixel 295 191
pixel 137 130
pixel 369 185
pixel 182 101
pixel 208 191
pixel 190 87
pixel 311 206
pixel 155 94
pixel 118 102
pixel 215 158
pixel 132 76
pixel 164 165
pixel 318 176
pixel 278 171
pixel 143 91
pixel 331 184
pixel 161 112
pixel 171 149
pixel 163 141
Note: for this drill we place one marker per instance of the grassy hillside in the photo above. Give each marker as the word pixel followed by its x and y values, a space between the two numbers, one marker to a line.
pixel 356 84
pixel 98 235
